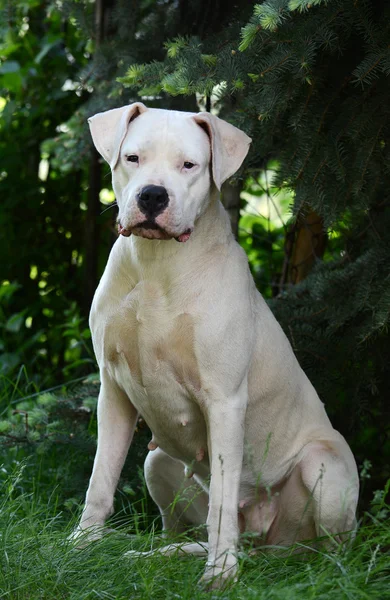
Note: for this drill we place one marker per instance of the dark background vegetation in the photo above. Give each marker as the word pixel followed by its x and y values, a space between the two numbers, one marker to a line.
pixel 309 82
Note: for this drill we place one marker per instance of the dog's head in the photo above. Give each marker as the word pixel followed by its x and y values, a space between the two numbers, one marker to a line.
pixel 160 165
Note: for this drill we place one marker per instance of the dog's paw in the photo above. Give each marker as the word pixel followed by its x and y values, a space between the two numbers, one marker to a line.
pixel 221 574
pixel 81 538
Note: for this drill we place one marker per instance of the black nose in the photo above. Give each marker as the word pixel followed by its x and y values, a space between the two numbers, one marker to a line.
pixel 152 200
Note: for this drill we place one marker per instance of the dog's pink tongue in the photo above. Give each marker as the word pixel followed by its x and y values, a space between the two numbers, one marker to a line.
pixel 123 231
pixel 184 237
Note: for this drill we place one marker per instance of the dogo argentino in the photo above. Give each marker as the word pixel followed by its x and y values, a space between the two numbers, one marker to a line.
pixel 183 337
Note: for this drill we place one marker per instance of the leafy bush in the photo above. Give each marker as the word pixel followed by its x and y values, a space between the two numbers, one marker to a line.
pixel 54 437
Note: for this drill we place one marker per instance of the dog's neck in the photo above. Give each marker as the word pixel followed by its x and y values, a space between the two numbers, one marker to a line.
pixel 211 229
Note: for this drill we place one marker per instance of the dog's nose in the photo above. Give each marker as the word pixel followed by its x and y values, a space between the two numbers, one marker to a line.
pixel 152 200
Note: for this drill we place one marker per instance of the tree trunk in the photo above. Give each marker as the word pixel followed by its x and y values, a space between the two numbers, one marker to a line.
pixel 305 243
pixel 92 226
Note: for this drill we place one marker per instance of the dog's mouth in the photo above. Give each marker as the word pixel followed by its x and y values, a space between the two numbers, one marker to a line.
pixel 152 231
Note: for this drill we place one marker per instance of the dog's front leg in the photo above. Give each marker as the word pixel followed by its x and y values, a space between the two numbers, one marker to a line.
pixel 225 422
pixel 117 418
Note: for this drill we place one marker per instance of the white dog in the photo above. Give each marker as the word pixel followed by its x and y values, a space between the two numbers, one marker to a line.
pixel 183 337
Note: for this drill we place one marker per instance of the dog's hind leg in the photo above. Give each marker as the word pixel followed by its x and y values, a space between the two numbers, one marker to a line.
pixel 182 502
pixel 329 473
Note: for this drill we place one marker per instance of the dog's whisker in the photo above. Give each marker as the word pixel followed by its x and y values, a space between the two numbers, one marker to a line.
pixel 108 207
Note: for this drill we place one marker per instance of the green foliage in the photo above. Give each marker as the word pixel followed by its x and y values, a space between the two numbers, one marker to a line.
pixel 265 217
pixel 67 340
pixel 42 222
pixel 52 437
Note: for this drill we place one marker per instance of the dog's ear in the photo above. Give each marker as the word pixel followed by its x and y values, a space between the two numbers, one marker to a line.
pixel 108 130
pixel 229 146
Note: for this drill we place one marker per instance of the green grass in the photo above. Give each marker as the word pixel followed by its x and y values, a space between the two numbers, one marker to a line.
pixel 37 562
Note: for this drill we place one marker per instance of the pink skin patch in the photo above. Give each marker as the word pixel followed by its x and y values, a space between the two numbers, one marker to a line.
pixel 200 454
pixel 123 231
pixel 152 445
pixel 184 237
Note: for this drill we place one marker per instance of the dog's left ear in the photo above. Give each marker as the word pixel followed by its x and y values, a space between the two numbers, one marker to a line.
pixel 109 128
pixel 229 146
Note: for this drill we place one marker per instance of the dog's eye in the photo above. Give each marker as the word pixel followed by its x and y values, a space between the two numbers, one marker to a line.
pixel 132 158
pixel 188 165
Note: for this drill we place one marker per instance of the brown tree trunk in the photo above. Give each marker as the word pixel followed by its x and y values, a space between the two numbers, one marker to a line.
pixel 305 243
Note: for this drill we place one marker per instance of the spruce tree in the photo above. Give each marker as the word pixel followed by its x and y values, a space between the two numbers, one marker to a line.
pixel 308 80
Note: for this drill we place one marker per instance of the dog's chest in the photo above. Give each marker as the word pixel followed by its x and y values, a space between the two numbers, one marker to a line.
pixel 149 348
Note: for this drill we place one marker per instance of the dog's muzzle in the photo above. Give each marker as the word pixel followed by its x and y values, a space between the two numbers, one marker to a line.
pixel 152 200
